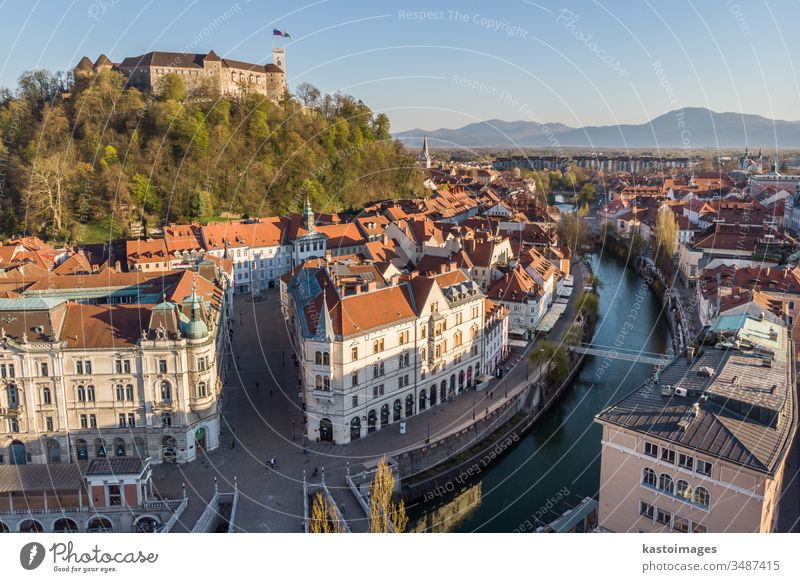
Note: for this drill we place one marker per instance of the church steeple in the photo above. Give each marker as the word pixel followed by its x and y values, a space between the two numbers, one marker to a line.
pixel 308 216
pixel 424 157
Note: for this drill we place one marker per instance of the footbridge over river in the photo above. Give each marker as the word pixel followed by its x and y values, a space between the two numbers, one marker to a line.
pixel 626 355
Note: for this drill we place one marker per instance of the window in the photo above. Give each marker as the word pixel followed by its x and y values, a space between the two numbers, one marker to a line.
pixel 84 421
pixel 48 422
pixel 649 477
pixel 646 510
pixel 87 367
pixel 166 391
pixel 683 489
pixel 92 421
pixel 126 366
pixel 129 392
pixel 166 419
pixel 685 461
pixel 326 383
pixel 702 496
pixel 131 420
pixel 90 393
pixel 202 363
pixel 354 353
pixel 120 393
pixel 377 346
pixel 13 396
pixel 355 401
pixel 697 528
pixel 668 456
pixel 114 495
pixel 423 331
pixel 118 366
pixel 45 369
pixel 354 377
pixel 680 524
pixel 13 424
pixel 47 397
pixel 318 358
pixel 665 483
pixel 403 337
pixel 326 359
pixel 663 517
pixel 121 421
pixel 318 382
pixel 162 366
pixel 703 467
pixel 202 390
pixel 377 391
pixel 651 450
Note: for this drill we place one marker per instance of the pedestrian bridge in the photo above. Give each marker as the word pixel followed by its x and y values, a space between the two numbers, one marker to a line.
pixel 625 355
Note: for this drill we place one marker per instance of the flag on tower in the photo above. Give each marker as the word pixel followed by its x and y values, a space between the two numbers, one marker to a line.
pixel 283 33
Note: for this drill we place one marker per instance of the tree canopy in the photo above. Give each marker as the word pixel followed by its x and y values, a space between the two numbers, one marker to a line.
pixel 95 151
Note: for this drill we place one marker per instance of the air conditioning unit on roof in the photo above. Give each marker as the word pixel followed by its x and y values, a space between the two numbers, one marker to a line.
pixel 681 392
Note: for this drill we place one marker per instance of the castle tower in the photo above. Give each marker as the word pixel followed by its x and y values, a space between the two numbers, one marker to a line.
pixel 279 58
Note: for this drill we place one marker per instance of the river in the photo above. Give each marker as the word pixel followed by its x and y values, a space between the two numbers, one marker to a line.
pixel 557 463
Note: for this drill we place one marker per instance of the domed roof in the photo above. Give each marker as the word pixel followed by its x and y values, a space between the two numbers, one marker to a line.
pixel 195 327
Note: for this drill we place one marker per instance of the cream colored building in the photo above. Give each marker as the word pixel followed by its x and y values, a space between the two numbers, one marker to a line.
pixel 702 446
pixel 383 352
pixel 87 372
pixel 210 71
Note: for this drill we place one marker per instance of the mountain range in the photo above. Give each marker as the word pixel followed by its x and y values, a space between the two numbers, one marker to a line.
pixel 691 127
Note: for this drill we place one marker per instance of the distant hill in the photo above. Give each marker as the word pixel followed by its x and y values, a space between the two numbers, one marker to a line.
pixel 696 127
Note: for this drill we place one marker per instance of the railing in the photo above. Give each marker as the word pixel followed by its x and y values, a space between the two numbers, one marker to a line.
pixel 310 489
pixel 167 527
pixel 167 504
pixel 42 511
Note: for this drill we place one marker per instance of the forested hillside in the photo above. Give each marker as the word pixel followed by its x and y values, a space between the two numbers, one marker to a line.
pixel 81 162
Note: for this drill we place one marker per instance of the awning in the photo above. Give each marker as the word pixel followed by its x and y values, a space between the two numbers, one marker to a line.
pixel 518 343
pixel 517 331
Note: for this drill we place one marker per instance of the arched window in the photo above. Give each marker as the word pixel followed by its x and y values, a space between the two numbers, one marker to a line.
pixel 318 382
pixel 81 394
pixel 683 489
pixel 473 332
pixel 433 395
pixel 355 378
pixel 129 392
pixel 665 483
pixel 166 391
pixel 202 390
pixel 120 392
pixel 47 397
pixel 422 400
pixel 99 448
pixel 119 447
pixel 649 477
pixel 457 339
pixel 81 450
pixel 409 405
pixel 702 496
pixel 326 359
pixel 90 393
pixel 326 383
pixel 318 358
pixel 398 408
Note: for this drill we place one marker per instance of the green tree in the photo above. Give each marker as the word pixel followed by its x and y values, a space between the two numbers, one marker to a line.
pixel 171 87
pixel 665 241
pixel 385 516
pixel 145 193
pixel 553 358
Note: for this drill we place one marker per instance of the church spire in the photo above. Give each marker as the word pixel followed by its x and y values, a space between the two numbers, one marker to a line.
pixel 308 216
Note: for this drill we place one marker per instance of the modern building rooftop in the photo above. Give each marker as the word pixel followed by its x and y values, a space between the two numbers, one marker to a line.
pixel 732 399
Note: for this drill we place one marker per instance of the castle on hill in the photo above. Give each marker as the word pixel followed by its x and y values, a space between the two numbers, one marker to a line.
pixel 224 76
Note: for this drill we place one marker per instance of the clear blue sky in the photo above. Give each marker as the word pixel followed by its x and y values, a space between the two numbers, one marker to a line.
pixel 578 63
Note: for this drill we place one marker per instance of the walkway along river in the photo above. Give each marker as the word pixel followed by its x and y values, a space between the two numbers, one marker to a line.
pixel 557 463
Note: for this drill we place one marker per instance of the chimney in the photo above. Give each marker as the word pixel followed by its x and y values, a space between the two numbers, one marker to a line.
pixel 372 285
pixel 690 354
pixel 443 268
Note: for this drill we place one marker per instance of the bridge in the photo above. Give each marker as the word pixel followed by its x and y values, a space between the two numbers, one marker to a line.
pixel 625 355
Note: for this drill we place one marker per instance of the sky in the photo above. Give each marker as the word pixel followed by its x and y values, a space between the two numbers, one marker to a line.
pixel 431 64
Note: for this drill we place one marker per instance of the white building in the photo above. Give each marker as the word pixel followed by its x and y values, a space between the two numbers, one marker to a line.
pixel 381 355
